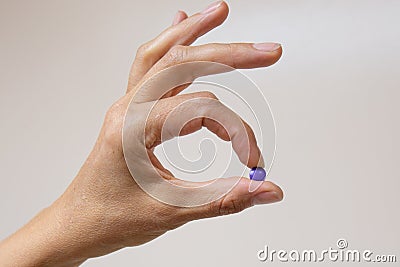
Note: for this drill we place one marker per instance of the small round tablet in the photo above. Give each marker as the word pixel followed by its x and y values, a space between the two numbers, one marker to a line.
pixel 257 174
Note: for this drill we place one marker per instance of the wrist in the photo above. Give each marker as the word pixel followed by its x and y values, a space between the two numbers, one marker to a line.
pixel 44 241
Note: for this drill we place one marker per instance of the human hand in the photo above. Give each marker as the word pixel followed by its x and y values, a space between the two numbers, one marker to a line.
pixel 104 209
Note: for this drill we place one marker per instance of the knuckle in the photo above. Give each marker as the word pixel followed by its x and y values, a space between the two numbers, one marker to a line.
pixel 113 112
pixel 167 218
pixel 232 54
pixel 208 102
pixel 144 50
pixel 176 54
pixel 112 127
pixel 207 94
pixel 228 205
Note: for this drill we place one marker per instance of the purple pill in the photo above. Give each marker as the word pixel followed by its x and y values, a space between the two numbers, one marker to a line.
pixel 257 174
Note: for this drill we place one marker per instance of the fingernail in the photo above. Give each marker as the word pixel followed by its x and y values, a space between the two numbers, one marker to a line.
pixel 267 47
pixel 265 198
pixel 176 18
pixel 211 7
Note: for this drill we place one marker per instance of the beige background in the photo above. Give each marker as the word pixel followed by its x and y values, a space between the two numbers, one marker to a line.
pixel 334 94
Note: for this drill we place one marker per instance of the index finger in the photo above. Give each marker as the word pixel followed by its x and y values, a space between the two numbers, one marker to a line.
pixel 185 114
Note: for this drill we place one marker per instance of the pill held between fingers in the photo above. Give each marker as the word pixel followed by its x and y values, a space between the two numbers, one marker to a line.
pixel 257 174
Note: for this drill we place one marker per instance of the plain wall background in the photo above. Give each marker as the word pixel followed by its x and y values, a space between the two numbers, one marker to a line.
pixel 334 94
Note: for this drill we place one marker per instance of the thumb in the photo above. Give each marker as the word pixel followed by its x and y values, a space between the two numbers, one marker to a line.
pixel 237 200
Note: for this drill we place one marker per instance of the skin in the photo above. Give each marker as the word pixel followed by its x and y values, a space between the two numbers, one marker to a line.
pixel 103 209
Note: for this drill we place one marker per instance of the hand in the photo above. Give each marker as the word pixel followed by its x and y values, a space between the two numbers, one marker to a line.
pixel 104 209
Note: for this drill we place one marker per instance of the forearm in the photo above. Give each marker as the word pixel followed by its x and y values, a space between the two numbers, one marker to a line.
pixel 44 241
